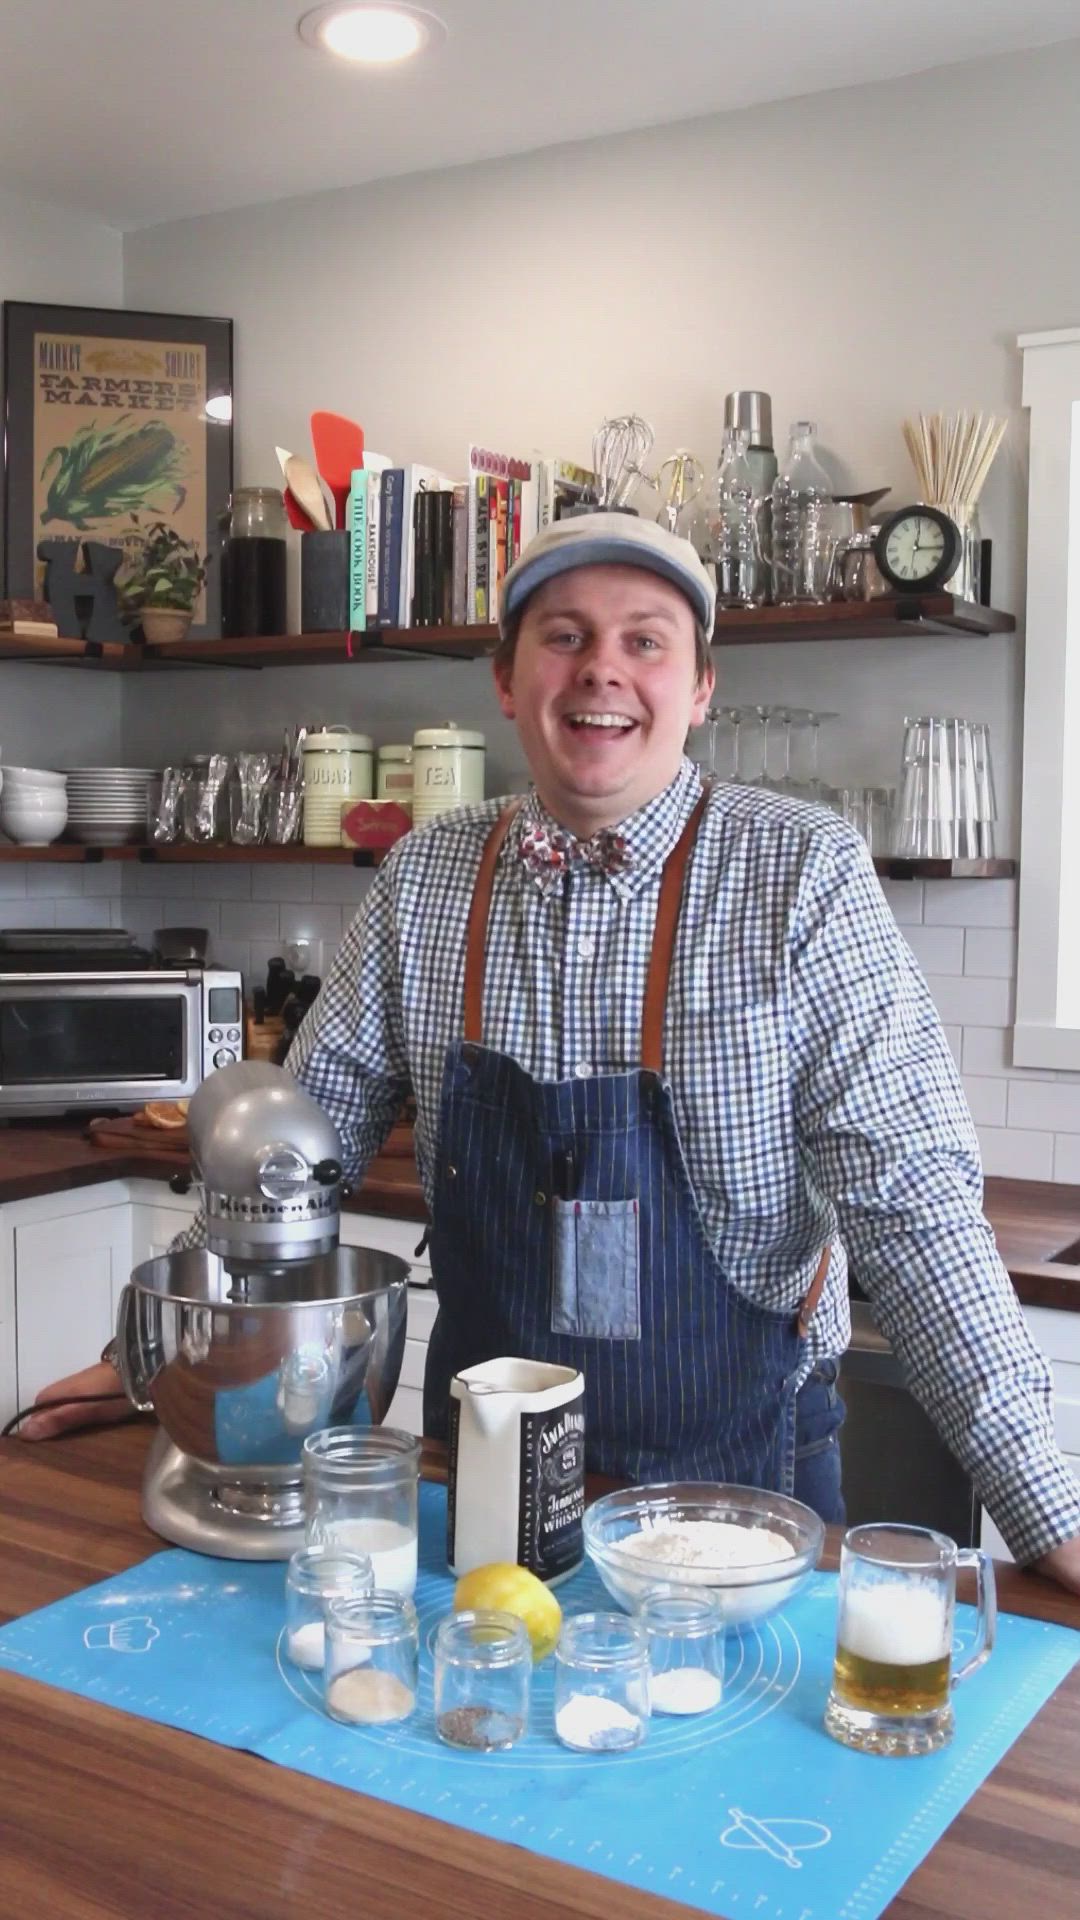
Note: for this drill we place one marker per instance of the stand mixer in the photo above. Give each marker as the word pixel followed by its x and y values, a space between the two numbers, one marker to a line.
pixel 270 1333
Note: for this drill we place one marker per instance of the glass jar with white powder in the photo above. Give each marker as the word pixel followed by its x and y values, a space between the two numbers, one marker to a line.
pixel 601 1683
pixel 686 1651
pixel 361 1494
pixel 315 1576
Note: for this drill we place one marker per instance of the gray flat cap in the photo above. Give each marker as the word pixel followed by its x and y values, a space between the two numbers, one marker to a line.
pixel 608 540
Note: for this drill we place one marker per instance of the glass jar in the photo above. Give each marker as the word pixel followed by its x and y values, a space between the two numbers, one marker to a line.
pixel 394 775
pixel 338 769
pixel 483 1673
pixel 601 1683
pixel 360 1493
pixel 803 524
pixel 253 564
pixel 734 527
pixel 372 1659
pixel 448 770
pixel 315 1576
pixel 685 1633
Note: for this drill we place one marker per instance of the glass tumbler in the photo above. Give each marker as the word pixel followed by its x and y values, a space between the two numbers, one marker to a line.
pixel 372 1658
pixel 925 826
pixel 483 1673
pixel 602 1683
pixel 315 1576
pixel 893 1676
pixel 360 1493
pixel 686 1651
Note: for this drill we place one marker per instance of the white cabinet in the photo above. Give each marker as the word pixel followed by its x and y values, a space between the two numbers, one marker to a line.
pixel 1058 1334
pixel 71 1255
pixel 156 1220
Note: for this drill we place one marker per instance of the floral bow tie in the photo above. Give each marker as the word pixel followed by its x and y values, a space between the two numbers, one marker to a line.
pixel 548 851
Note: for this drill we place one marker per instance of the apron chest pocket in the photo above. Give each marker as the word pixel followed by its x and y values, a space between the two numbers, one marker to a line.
pixel 596 1281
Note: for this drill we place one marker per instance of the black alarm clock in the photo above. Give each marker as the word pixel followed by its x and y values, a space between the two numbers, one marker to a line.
pixel 917 549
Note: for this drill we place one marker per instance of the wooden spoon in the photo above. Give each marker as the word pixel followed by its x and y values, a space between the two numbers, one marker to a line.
pixel 339 450
pixel 303 482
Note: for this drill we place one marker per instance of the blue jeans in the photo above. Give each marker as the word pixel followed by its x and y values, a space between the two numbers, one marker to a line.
pixel 819 1415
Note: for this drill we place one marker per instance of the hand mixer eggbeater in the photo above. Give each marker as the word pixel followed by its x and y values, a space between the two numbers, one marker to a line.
pixel 270 1333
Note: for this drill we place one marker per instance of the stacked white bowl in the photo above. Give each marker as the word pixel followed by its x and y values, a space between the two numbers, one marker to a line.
pixel 107 805
pixel 33 805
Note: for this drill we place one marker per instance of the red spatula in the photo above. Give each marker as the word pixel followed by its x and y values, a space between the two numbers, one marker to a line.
pixel 339 448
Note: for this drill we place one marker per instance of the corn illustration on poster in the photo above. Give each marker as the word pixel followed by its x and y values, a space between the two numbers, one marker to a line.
pixel 119 439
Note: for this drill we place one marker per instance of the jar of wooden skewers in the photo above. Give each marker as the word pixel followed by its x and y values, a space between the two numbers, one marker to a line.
pixel 952 455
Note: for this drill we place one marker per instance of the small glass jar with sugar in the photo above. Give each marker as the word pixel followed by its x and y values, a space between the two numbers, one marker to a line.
pixel 315 1576
pixel 601 1683
pixel 372 1659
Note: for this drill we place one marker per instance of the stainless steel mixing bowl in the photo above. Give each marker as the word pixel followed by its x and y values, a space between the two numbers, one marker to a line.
pixel 241 1367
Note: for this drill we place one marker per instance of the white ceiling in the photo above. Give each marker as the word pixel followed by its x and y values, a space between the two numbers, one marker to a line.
pixel 139 111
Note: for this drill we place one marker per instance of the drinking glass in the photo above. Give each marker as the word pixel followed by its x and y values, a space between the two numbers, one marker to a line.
pixel 893 1676
pixel 961 751
pixel 805 746
pixel 985 797
pixel 926 814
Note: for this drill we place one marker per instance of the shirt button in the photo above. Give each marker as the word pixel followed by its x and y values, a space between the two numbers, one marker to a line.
pixel 586 946
pixel 583 1070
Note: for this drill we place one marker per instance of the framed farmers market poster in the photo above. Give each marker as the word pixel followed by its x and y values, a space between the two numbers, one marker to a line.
pixel 113 421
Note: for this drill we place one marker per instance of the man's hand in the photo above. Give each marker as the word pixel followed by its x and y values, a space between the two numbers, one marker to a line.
pixel 65 1412
pixel 1062 1564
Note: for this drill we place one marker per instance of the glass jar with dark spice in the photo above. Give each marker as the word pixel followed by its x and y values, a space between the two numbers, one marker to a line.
pixel 253 560
pixel 483 1674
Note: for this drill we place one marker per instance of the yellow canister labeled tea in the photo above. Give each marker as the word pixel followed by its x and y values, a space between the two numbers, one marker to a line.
pixel 338 767
pixel 448 770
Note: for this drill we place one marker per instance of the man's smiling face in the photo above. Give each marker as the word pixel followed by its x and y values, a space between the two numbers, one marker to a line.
pixel 603 688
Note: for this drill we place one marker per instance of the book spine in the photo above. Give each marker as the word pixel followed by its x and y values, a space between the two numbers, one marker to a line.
pixel 357 518
pixel 502 538
pixel 459 554
pixel 513 524
pixel 470 550
pixel 422 599
pixel 393 481
pixel 374 523
pixel 493 550
pixel 444 557
pixel 530 492
pixel 483 499
pixel 545 498
pixel 407 576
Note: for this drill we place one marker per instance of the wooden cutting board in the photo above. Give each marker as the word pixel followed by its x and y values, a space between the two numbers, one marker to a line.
pixel 125 1133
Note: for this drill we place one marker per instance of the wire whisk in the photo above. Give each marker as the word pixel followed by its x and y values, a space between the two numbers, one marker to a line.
pixel 621 445
pixel 678 480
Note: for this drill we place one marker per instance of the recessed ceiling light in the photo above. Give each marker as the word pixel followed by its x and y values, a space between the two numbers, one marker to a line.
pixel 373 36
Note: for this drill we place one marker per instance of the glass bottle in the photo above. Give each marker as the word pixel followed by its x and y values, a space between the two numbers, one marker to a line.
pixel 802 538
pixel 735 528
pixel 253 564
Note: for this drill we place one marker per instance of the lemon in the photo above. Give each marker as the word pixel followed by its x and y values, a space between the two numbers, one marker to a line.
pixel 512 1589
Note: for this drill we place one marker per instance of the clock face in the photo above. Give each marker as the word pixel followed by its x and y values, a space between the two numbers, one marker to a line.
pixel 915 547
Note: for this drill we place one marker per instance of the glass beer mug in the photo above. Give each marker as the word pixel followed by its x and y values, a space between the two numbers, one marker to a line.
pixel 893 1676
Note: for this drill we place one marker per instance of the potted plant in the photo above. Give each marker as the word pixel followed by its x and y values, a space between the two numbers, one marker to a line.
pixel 161 592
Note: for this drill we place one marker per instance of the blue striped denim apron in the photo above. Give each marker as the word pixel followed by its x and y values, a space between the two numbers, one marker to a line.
pixel 565 1229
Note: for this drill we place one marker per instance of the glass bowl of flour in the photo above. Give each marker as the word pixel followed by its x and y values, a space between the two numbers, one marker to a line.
pixel 753 1550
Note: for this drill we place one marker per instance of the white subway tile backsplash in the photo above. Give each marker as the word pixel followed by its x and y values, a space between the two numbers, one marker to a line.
pixel 990 952
pixel 53 881
pixel 82 913
pixel 347 884
pixel 12 881
pixel 281 882
pixel 955 1038
pixel 980 1003
pixel 225 882
pixel 1021 1156
pixel 311 923
pixel 1056 1107
pixel 27 913
pixel 165 883
pixel 1067 1158
pixel 249 919
pixel 905 897
pixel 989 1050
pixel 104 879
pixel 236 953
pixel 970 903
pixel 937 949
pixel 986 1099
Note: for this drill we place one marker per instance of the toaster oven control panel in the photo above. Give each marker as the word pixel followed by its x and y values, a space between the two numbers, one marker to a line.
pixel 222 1016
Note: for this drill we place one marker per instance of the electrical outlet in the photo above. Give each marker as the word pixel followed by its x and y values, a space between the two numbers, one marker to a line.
pixel 298 955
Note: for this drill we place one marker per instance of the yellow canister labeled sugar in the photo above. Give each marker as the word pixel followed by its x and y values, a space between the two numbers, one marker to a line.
pixel 338 767
pixel 448 770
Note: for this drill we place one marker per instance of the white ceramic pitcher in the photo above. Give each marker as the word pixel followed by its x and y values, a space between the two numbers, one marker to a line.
pixel 516 1487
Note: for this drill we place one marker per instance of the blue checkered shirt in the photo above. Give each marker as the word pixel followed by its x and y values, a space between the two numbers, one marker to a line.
pixel 815 1093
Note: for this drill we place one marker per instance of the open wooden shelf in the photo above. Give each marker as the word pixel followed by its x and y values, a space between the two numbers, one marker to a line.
pixel 183 855
pixel 891 868
pixel 904 617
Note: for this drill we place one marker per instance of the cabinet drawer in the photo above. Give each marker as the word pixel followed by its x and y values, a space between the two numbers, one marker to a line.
pixel 1056 1332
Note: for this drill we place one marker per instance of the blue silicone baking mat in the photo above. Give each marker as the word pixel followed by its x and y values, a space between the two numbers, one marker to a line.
pixel 749 1809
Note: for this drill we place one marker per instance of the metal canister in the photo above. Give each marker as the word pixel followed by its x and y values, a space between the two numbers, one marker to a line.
pixel 394 774
pixel 448 770
pixel 338 768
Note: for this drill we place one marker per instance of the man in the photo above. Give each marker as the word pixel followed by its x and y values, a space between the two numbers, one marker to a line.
pixel 673 1064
